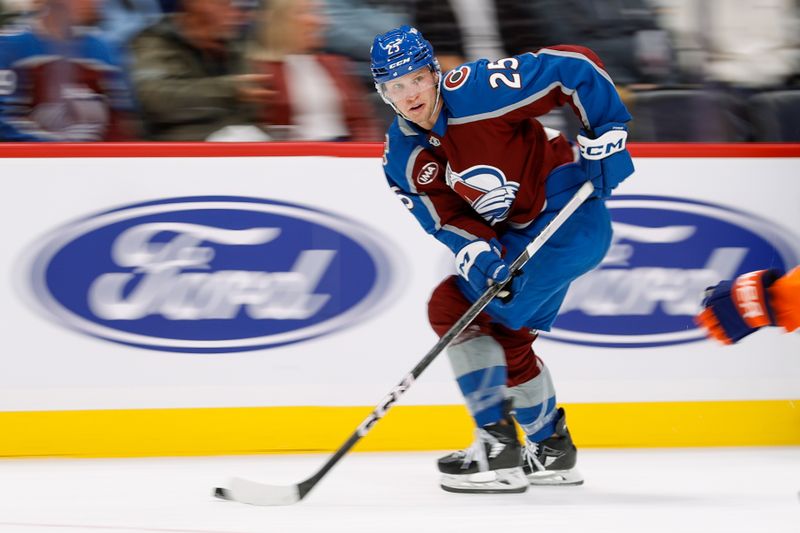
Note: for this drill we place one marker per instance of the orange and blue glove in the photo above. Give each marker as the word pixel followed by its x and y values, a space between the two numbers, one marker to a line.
pixel 735 309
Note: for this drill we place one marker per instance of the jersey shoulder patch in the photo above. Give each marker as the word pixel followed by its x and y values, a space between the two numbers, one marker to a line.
pixel 456 78
pixel 409 165
pixel 427 173
pixel 485 86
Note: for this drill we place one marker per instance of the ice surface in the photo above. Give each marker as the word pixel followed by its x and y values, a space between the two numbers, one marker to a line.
pixel 730 490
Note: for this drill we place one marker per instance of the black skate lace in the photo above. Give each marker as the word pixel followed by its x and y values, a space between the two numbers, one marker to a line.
pixel 530 456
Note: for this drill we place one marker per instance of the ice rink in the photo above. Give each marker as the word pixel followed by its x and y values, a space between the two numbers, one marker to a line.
pixel 730 490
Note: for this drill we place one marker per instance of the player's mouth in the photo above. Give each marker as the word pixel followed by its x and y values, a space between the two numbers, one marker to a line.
pixel 416 108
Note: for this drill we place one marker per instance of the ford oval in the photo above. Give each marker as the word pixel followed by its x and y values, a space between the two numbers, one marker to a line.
pixel 664 254
pixel 211 274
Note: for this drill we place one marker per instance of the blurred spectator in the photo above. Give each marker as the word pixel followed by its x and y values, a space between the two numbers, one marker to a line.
pixel 439 24
pixel 739 57
pixel 188 75
pixel 690 70
pixel 353 24
pixel 626 34
pixel 351 27
pixel 317 97
pixel 11 11
pixel 169 6
pixel 752 45
pixel 59 81
pixel 122 19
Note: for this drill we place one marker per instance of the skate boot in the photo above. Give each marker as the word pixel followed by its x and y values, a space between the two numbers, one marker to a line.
pixel 552 461
pixel 491 465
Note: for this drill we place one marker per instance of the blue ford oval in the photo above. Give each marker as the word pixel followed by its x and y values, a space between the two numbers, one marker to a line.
pixel 664 254
pixel 211 274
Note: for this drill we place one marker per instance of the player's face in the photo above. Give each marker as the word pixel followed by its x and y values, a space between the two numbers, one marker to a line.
pixel 414 95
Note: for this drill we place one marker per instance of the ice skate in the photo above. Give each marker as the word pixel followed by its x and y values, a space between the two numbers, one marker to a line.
pixel 552 461
pixel 491 465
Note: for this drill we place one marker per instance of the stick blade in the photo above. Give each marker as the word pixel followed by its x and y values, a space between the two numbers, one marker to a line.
pixel 254 493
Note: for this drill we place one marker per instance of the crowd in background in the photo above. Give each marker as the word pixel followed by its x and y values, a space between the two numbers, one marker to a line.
pixel 261 70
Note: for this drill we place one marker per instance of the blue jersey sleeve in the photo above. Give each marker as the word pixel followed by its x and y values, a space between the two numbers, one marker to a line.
pixel 532 84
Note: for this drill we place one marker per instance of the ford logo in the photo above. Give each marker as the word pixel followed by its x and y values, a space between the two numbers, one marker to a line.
pixel 210 274
pixel 665 252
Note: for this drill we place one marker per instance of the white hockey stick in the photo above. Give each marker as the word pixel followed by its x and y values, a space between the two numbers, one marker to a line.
pixel 254 493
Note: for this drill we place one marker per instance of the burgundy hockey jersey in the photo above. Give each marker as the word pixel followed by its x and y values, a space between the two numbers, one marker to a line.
pixel 483 166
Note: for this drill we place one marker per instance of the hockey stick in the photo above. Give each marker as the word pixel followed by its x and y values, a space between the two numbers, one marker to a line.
pixel 254 493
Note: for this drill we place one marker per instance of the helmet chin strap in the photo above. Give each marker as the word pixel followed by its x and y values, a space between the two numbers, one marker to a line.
pixel 438 95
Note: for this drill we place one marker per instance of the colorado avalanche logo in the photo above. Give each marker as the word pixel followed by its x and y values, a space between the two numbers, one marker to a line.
pixel 456 78
pixel 486 189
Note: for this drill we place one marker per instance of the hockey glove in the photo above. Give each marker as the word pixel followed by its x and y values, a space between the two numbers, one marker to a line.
pixel 736 309
pixel 604 157
pixel 480 264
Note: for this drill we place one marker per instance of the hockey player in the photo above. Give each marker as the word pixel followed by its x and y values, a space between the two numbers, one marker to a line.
pixel 470 161
pixel 735 309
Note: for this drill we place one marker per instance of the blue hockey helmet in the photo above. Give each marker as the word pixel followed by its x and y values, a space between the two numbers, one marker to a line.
pixel 399 52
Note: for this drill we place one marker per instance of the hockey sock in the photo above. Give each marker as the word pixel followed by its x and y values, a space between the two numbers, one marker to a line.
pixel 480 369
pixel 535 405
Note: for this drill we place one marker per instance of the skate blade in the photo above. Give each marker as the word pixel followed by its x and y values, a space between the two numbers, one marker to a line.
pixel 508 480
pixel 555 477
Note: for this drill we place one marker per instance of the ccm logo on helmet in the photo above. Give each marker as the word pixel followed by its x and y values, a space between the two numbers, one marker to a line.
pixel 456 78
pixel 428 173
pixel 399 63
